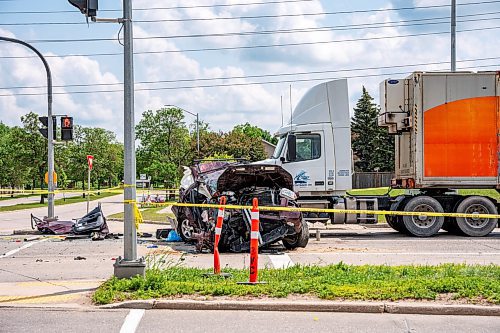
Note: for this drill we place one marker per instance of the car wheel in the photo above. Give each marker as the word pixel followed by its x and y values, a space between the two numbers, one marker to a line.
pixel 421 225
pixel 298 240
pixel 185 230
pixel 475 226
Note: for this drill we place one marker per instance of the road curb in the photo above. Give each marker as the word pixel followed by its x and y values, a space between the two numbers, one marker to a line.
pixel 313 306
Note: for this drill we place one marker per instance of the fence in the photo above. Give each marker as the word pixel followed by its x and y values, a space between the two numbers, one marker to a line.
pixel 371 179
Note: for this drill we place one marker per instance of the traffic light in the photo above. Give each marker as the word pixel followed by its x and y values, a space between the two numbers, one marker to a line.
pixel 66 128
pixel 45 130
pixel 87 7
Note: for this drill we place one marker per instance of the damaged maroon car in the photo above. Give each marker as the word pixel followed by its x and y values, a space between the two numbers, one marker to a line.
pixel 240 183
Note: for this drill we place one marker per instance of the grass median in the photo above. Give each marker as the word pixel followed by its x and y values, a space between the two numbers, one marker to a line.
pixel 461 283
pixel 154 214
pixel 57 202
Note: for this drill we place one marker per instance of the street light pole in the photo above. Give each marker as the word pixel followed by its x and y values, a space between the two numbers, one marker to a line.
pixel 50 125
pixel 197 125
pixel 197 134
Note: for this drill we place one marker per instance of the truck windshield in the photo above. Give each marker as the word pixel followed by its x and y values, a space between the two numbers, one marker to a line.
pixel 279 147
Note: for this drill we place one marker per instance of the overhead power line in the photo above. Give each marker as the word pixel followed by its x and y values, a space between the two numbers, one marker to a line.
pixel 247 32
pixel 374 25
pixel 239 83
pixel 162 8
pixel 268 45
pixel 238 77
pixel 250 17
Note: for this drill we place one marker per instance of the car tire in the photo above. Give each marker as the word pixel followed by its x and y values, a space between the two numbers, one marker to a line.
pixel 184 230
pixel 298 240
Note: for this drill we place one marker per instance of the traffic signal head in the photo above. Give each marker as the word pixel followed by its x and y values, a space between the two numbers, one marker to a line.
pixel 87 7
pixel 45 130
pixel 66 128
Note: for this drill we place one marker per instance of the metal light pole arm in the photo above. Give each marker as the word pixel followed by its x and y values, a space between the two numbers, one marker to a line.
pixel 50 134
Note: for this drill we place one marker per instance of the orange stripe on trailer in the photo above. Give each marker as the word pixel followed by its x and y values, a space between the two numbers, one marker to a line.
pixel 461 138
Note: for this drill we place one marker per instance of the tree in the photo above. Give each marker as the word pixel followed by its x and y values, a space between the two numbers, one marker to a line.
pixel 100 143
pixel 373 146
pixel 164 145
pixel 255 132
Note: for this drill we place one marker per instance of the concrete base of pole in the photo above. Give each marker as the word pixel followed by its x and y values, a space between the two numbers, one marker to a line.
pixel 125 269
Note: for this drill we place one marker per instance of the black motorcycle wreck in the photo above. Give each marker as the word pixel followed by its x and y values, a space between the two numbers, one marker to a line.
pixel 240 183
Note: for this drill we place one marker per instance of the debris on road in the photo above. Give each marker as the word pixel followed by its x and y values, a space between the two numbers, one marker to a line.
pixel 32 238
pixel 90 224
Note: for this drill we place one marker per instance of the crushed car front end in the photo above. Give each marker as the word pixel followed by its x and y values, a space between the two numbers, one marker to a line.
pixel 270 184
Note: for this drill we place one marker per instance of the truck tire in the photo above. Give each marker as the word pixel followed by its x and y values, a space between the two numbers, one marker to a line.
pixel 423 226
pixel 298 240
pixel 396 223
pixel 476 227
pixel 450 225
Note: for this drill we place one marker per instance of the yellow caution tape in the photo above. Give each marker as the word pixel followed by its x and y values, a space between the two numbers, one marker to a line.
pixel 327 210
pixel 138 219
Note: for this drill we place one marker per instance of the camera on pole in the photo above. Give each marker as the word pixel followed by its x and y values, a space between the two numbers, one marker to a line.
pixel 66 128
pixel 44 130
pixel 87 7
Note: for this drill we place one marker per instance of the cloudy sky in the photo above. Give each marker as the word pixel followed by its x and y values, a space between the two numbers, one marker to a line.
pixel 232 61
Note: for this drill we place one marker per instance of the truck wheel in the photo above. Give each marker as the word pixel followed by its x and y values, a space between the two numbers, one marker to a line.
pixel 472 226
pixel 185 230
pixel 450 225
pixel 420 225
pixel 298 240
pixel 396 223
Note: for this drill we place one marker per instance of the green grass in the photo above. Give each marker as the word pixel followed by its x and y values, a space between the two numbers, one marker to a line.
pixel 471 283
pixel 149 214
pixel 58 202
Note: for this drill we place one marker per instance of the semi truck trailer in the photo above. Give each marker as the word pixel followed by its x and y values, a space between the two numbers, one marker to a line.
pixel 446 128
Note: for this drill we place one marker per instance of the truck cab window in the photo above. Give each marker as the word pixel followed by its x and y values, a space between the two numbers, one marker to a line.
pixel 308 147
pixel 279 147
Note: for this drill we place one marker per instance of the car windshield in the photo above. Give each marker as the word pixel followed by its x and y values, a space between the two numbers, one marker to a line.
pixel 279 147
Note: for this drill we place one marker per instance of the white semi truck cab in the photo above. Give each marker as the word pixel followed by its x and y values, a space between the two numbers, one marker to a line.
pixel 315 148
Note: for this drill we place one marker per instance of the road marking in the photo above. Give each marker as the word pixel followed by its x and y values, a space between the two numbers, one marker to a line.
pixel 281 260
pixel 25 246
pixel 132 321
pixel 408 253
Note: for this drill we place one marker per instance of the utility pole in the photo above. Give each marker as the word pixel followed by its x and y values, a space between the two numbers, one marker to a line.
pixel 50 126
pixel 129 265
pixel 453 35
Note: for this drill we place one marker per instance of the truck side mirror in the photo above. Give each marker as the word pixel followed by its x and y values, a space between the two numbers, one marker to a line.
pixel 292 148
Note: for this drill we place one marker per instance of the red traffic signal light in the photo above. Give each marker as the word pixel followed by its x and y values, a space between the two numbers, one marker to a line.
pixel 67 128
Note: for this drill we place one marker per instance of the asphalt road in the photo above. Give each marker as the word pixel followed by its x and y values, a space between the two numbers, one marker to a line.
pixel 58 320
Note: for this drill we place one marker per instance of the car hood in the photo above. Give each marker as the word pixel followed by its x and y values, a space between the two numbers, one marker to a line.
pixel 262 175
